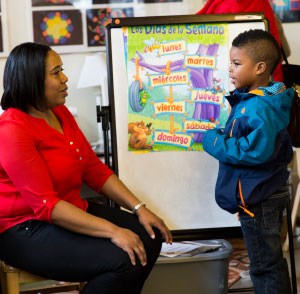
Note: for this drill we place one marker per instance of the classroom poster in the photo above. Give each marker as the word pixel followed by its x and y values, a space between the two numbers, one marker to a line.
pixel 177 75
pixel 158 1
pixel 59 27
pixel 3 31
pixel 286 10
pixel 98 19
pixel 111 1
pixel 1 37
pixel 37 3
pixel 75 25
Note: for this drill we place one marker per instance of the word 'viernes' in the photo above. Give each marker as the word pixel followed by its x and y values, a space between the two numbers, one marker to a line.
pixel 198 126
pixel 166 107
pixel 175 78
pixel 207 96
pixel 189 29
pixel 172 47
pixel 183 140
pixel 200 61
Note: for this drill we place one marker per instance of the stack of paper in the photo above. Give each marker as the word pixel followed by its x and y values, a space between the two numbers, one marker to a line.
pixel 186 248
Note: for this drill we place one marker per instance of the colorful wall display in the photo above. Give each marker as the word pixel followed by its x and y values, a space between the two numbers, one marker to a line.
pixel 98 19
pixel 3 30
pixel 158 1
pixel 59 27
pixel 111 1
pixel 1 36
pixel 75 25
pixel 287 10
pixel 37 3
pixel 176 77
pixel 92 16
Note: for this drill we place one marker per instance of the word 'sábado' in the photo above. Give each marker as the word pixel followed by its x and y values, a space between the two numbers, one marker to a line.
pixel 191 125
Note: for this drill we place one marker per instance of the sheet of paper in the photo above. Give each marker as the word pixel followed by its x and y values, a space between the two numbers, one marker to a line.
pixel 186 248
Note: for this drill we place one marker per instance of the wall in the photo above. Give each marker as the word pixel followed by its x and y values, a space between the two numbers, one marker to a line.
pixel 19 30
pixel 291 31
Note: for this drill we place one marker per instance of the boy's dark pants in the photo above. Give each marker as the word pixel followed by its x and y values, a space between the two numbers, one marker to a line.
pixel 268 268
pixel 55 253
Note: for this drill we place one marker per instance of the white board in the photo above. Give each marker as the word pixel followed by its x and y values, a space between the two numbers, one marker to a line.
pixel 177 185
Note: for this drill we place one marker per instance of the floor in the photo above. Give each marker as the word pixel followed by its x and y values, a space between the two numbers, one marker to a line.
pixel 246 283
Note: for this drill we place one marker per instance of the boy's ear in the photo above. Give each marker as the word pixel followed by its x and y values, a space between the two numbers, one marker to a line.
pixel 261 67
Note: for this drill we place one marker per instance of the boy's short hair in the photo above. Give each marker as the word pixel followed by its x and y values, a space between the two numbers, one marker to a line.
pixel 260 46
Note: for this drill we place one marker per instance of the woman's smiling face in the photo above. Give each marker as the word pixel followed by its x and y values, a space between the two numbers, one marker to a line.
pixel 55 81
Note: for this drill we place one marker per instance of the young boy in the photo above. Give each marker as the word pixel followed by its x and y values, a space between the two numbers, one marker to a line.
pixel 254 150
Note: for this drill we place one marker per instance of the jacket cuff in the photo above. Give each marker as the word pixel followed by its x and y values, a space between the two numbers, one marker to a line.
pixel 209 139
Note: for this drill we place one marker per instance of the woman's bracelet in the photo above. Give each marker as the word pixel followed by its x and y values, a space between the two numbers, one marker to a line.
pixel 138 206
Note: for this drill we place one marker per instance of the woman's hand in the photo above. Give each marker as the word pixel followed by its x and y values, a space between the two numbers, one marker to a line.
pixel 131 243
pixel 115 190
pixel 70 217
pixel 149 220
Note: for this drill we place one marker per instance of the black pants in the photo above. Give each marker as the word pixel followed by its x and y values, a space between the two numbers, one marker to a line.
pixel 56 253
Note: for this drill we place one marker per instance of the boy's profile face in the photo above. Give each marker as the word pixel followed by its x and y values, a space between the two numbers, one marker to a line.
pixel 242 69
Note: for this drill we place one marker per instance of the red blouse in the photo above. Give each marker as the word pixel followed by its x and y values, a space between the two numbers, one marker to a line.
pixel 39 166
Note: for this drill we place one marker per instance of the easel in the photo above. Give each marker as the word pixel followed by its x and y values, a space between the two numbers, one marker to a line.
pixel 291 243
pixel 119 103
pixel 296 201
pixel 103 115
pixel 291 220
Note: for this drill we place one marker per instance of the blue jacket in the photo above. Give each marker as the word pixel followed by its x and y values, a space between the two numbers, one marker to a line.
pixel 254 149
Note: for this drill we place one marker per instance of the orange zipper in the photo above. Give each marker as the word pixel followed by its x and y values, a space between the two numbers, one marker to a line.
pixel 243 202
pixel 232 127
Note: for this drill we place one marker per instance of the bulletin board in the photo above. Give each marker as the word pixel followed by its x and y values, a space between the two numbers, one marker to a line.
pixel 3 30
pixel 72 26
pixel 178 184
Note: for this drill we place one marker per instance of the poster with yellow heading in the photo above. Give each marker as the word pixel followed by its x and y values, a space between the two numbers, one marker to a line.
pixel 177 79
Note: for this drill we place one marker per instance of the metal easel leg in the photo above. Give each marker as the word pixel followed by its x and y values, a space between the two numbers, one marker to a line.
pixel 103 116
pixel 291 246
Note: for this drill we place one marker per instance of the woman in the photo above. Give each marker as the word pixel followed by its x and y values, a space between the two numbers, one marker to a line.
pixel 45 227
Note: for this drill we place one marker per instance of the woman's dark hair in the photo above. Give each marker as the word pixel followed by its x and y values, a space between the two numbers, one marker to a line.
pixel 24 77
